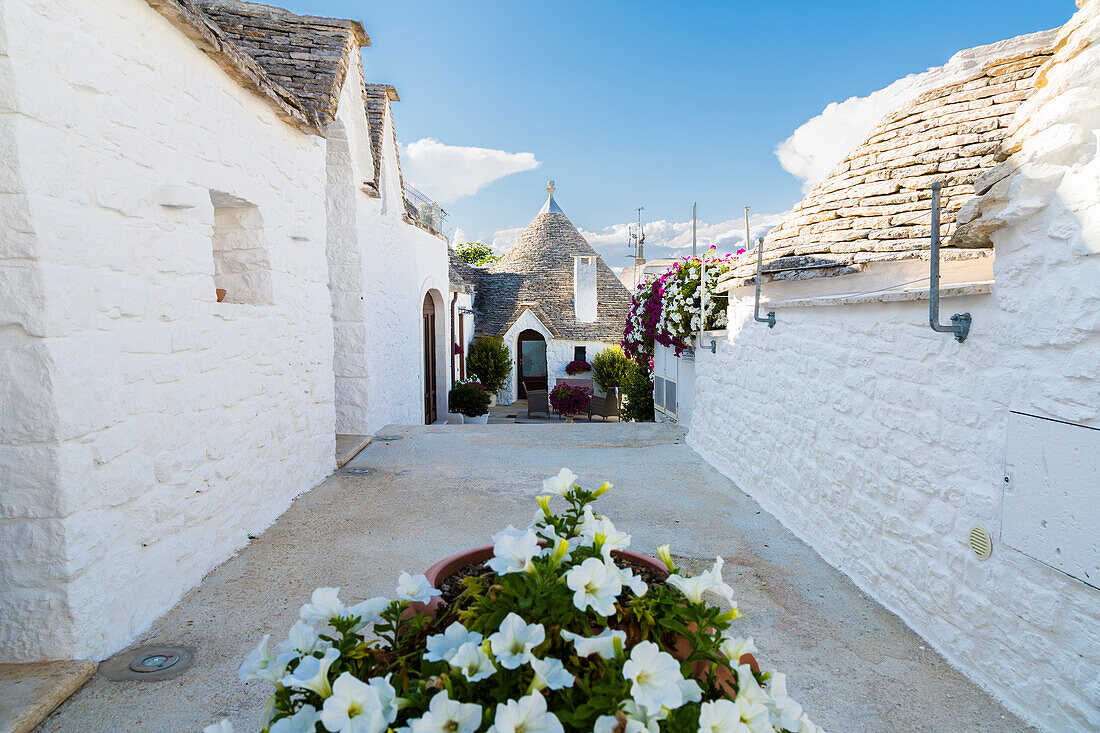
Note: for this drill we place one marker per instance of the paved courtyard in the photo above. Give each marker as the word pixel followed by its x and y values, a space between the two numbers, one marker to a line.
pixel 431 491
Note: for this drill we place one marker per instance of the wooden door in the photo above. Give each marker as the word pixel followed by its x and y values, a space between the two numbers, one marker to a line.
pixel 429 360
pixel 531 362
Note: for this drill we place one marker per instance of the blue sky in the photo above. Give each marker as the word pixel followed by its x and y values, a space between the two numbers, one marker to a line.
pixel 645 103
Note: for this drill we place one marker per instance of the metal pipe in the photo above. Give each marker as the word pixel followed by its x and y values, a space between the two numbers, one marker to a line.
pixel 960 322
pixel 770 320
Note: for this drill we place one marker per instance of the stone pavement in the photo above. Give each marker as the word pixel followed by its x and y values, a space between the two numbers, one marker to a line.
pixel 436 490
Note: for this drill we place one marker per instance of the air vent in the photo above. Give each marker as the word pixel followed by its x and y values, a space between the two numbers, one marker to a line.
pixel 980 542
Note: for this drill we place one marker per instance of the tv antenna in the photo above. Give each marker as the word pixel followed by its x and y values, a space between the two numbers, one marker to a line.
pixel 636 240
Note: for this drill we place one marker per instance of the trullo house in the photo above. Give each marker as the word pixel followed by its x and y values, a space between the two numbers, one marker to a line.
pixel 552 300
pixel 208 269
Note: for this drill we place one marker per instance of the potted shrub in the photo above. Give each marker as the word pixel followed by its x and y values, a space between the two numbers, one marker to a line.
pixel 471 400
pixel 570 400
pixel 609 368
pixel 556 627
pixel 490 362
pixel 577 366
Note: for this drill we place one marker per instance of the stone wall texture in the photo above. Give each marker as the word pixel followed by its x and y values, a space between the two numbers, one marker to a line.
pixel 881 443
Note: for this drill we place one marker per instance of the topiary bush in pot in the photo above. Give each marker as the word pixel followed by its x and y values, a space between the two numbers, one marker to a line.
pixel 489 362
pixel 609 370
pixel 469 399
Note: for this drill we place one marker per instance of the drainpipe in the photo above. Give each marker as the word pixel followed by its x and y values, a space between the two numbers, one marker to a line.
pixel 454 300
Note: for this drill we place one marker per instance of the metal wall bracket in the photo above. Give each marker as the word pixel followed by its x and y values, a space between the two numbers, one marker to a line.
pixel 960 322
pixel 770 318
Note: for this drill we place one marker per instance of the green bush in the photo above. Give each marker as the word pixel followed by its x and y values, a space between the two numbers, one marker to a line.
pixel 609 368
pixel 469 399
pixel 476 253
pixel 637 394
pixel 489 362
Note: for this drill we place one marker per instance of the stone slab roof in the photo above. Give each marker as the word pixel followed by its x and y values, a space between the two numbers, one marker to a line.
pixel 190 19
pixel 463 276
pixel 876 205
pixel 537 274
pixel 305 54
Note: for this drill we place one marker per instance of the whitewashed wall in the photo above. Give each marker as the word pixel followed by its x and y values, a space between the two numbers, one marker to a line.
pixel 381 269
pixel 147 429
pixel 881 443
pixel 559 353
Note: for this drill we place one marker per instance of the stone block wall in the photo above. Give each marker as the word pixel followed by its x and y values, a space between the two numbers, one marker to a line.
pixel 147 429
pixel 881 443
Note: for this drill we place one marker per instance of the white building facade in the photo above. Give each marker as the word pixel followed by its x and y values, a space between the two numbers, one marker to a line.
pixel 151 165
pixel 884 444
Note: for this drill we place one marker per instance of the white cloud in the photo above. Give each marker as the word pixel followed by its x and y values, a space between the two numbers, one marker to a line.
pixel 449 172
pixel 662 238
pixel 823 141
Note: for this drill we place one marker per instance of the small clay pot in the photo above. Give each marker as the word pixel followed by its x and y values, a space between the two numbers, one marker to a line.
pixel 221 294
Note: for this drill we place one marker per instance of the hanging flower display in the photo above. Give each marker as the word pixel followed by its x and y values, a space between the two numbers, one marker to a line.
pixel 665 310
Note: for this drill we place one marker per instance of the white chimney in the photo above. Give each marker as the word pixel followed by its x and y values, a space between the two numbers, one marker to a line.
pixel 584 288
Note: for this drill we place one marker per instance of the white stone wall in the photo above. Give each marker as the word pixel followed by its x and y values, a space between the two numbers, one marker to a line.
pixel 146 429
pixel 881 443
pixel 382 267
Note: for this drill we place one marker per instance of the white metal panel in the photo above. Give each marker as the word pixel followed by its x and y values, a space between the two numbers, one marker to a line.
pixel 1051 505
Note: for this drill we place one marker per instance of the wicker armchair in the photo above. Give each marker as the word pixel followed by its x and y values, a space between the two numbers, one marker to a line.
pixel 538 400
pixel 605 407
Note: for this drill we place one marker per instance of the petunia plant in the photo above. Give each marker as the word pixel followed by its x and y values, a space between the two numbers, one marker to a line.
pixel 559 630
pixel 665 309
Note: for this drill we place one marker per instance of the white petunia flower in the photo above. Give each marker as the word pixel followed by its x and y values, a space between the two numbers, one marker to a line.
pixel 222 726
pixel 525 715
pixel 636 714
pixel 595 583
pixel 630 580
pixel 513 552
pixel 324 606
pixel 256 661
pixel 709 581
pixel 312 674
pixel 593 526
pixel 353 707
pixel 721 716
pixel 303 640
pixel 602 644
pixel 415 588
pixel 448 716
pixel 368 611
pixel 690 690
pixel 561 484
pixel 610 724
pixel 513 643
pixel 786 713
pixel 473 662
pixel 551 673
pixel 303 721
pixel 655 678
pixel 387 697
pixel 443 647
pixel 733 648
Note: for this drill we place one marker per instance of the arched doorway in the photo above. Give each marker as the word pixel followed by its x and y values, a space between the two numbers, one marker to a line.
pixel 530 362
pixel 430 414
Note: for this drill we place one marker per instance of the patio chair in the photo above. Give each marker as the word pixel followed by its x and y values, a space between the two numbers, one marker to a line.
pixel 605 407
pixel 538 400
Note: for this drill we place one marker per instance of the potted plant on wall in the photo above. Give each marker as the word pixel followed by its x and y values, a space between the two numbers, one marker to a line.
pixel 570 400
pixel 554 627
pixel 490 362
pixel 471 400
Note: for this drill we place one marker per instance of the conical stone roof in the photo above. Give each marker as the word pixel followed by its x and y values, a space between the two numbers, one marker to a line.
pixel 537 273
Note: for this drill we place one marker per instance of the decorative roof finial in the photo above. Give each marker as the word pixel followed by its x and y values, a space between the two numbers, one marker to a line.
pixel 550 187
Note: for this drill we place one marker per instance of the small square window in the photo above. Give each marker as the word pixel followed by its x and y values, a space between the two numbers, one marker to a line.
pixel 580 353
